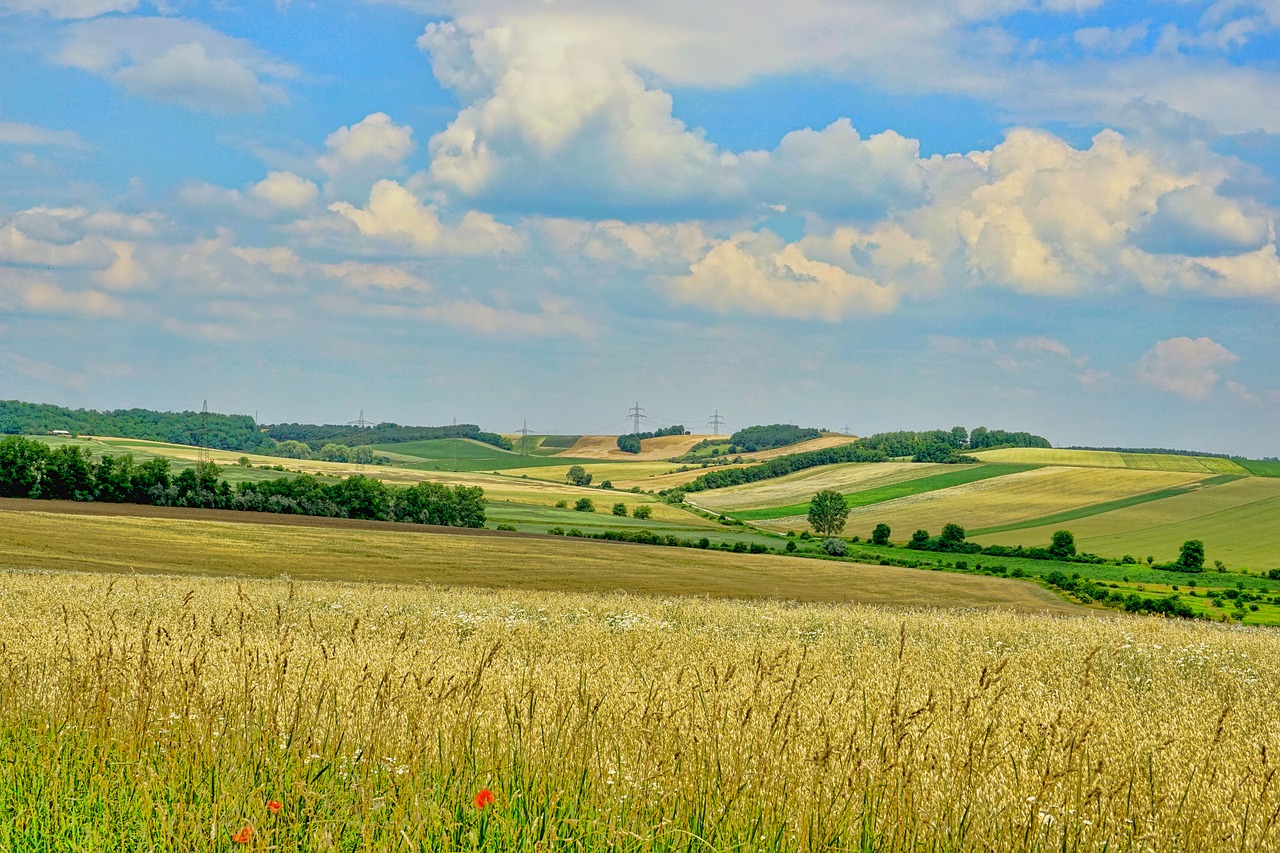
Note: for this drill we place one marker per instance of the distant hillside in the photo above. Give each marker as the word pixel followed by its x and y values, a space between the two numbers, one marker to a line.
pixel 223 432
pixel 318 435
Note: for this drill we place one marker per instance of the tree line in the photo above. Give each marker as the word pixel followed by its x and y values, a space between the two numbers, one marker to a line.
pixel 223 432
pixel 880 447
pixel 753 439
pixel 630 443
pixel 31 469
pixel 316 436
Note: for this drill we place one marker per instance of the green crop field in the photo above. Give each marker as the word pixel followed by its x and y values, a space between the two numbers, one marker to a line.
pixel 1238 521
pixel 1260 467
pixel 1112 459
pixel 918 486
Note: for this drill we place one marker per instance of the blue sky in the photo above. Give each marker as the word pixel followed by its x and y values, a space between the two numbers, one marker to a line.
pixel 1051 215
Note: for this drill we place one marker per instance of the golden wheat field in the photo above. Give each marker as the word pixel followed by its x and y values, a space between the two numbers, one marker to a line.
pixel 148 713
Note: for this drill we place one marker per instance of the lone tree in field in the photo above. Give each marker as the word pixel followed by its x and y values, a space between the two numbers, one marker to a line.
pixel 1064 544
pixel 578 476
pixel 880 536
pixel 1191 559
pixel 827 512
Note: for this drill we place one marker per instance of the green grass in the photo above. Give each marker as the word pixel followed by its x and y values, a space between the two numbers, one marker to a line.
pixel 558 442
pixel 1260 467
pixel 893 491
pixel 1106 506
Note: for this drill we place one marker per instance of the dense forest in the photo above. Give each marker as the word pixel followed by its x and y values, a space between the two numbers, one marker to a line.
pixel 931 446
pixel 222 432
pixel 766 437
pixel 31 469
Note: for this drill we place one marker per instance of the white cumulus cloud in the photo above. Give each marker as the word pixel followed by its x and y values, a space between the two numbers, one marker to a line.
pixel 176 61
pixel 1185 366
pixel 396 217
pixel 285 190
pixel 759 274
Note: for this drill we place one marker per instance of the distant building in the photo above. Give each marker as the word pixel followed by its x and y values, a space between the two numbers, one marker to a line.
pixel 59 432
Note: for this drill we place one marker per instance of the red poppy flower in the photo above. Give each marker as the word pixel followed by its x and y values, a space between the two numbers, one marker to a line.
pixel 273 806
pixel 243 836
pixel 483 798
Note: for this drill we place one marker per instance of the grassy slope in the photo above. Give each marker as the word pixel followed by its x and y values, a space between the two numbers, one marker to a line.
pixel 1091 510
pixel 1112 459
pixel 1239 523
pixel 918 486
pixel 152 545
pixel 794 488
pixel 462 454
pixel 1003 500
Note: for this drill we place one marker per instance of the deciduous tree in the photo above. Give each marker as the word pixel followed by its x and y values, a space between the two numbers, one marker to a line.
pixel 828 511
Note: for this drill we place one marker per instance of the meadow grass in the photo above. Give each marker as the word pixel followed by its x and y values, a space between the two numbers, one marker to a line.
pixel 166 713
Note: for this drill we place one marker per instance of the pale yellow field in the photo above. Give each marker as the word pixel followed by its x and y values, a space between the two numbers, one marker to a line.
pixel 802 485
pixel 637 473
pixel 651 449
pixel 1002 500
pixel 1239 523
pixel 1112 459
pixel 164 713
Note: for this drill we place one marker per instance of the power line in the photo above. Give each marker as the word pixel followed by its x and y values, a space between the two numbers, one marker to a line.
pixel 360 421
pixel 524 438
pixel 716 423
pixel 202 455
pixel 636 414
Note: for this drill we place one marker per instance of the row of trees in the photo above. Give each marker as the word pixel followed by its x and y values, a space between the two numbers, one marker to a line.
pixel 30 469
pixel 223 432
pixel 877 448
pixel 317 436
pixel 630 443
